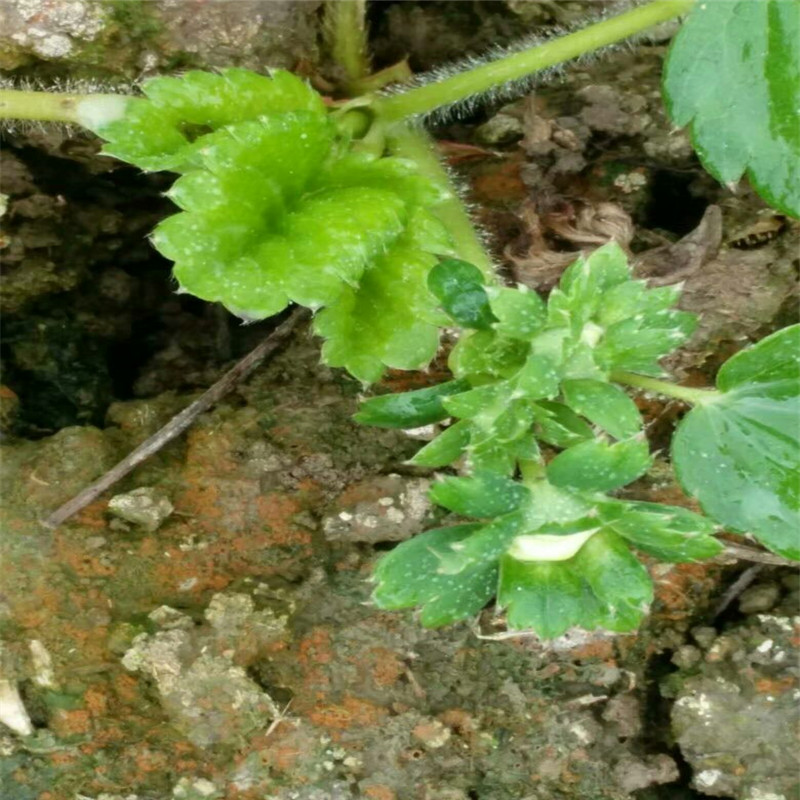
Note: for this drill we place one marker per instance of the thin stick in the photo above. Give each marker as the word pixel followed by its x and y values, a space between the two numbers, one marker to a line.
pixel 744 553
pixel 180 422
pixel 736 588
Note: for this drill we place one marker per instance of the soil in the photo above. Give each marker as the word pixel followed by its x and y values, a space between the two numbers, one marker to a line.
pixel 204 629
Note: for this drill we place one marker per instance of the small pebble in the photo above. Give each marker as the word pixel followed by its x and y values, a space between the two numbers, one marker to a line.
pixel 759 598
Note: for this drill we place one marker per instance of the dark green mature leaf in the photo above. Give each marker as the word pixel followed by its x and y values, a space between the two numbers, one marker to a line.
pixel 412 575
pixel 459 286
pixel 733 73
pixel 605 405
pixel 484 495
pixel 739 452
pixel 409 409
pixel 670 533
pixel 445 448
pixel 598 466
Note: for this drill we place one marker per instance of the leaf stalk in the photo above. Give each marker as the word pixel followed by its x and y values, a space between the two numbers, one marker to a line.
pixel 423 99
pixel 690 395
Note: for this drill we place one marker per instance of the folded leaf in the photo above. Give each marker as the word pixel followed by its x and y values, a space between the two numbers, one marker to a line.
pixel 445 448
pixel 459 286
pixel 409 409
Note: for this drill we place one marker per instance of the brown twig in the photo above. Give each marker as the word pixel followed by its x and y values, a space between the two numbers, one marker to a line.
pixel 744 553
pixel 180 422
pixel 736 588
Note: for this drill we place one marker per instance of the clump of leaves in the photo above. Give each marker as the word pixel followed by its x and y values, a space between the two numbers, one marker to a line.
pixel 278 209
pixel 537 395
pixel 282 203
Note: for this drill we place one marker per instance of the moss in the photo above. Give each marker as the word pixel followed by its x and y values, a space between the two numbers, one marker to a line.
pixel 134 18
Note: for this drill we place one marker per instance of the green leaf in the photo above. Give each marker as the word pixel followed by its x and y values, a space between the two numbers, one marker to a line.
pixel 739 452
pixel 459 287
pixel 445 448
pixel 617 578
pixel 538 378
pixel 583 284
pixel 484 495
pixel 604 404
pixel 385 321
pixel 559 425
pixel 485 355
pixel 733 75
pixel 637 343
pixel 546 597
pixel 598 466
pixel 164 131
pixel 409 409
pixel 521 312
pixel 670 533
pixel 410 575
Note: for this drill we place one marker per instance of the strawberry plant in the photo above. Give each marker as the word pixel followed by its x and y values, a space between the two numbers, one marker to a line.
pixel 342 207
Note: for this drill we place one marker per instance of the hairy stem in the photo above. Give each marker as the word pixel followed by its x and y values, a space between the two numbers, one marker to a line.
pixel 422 99
pixel 45 106
pixel 690 395
pixel 346 33
pixel 417 146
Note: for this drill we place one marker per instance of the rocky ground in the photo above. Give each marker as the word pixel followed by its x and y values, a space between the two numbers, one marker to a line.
pixel 204 629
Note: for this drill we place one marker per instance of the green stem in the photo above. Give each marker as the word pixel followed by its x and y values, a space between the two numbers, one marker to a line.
pixel 426 98
pixel 417 146
pixel 346 32
pixel 693 396
pixel 46 106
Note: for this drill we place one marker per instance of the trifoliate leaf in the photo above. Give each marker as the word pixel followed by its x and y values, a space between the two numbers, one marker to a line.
pixel 598 466
pixel 409 409
pixel 546 597
pixel 738 452
pixel 732 75
pixel 446 448
pixel 617 578
pixel 521 312
pixel 604 404
pixel 559 425
pixel 484 495
pixel 670 533
pixel 459 286
pixel 410 575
